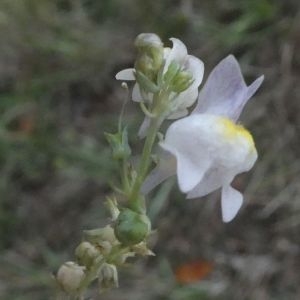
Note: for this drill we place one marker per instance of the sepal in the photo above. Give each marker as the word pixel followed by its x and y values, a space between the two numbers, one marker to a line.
pixel 145 83
pixel 119 144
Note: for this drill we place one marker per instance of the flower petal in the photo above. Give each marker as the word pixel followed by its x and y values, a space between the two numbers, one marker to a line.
pixel 190 169
pixel 184 100
pixel 249 92
pixel 165 169
pixel 136 93
pixel 167 51
pixel 224 85
pixel 208 148
pixel 225 92
pixel 189 96
pixel 212 180
pixel 196 67
pixel 254 86
pixel 231 202
pixel 178 53
pixel 126 74
pixel 190 172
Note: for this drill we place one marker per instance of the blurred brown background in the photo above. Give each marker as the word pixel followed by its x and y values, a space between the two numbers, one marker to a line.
pixel 58 95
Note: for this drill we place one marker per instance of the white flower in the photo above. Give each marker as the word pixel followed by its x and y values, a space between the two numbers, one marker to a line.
pixel 208 149
pixel 181 101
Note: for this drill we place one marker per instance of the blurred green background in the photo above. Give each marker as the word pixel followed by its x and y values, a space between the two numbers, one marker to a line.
pixel 58 95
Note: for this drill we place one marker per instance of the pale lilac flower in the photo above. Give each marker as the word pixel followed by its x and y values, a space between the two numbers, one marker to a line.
pixel 208 149
pixel 181 101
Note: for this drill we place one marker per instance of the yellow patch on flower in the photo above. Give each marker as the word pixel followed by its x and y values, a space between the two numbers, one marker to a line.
pixel 233 131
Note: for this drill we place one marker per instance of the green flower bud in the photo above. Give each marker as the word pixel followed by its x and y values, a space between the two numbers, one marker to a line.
pixel 131 227
pixel 69 276
pixel 145 40
pixel 182 81
pixel 86 253
pixel 144 64
pixel 172 71
pixel 119 144
pixel 108 276
pixel 150 54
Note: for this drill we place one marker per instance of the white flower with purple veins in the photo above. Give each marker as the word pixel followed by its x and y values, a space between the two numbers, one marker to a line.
pixel 180 101
pixel 208 149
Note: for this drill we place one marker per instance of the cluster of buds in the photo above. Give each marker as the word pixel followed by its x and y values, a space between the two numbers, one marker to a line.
pixel 167 74
pixel 156 67
pixel 105 249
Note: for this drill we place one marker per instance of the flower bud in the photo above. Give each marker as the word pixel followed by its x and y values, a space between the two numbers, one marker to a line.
pixel 145 40
pixel 86 253
pixel 103 238
pixel 106 233
pixel 150 54
pixel 131 227
pixel 182 81
pixel 69 276
pixel 172 71
pixel 108 276
pixel 105 247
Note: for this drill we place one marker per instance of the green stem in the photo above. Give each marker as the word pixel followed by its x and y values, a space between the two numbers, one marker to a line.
pixel 145 162
pixel 90 277
pixel 124 175
pixel 147 151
